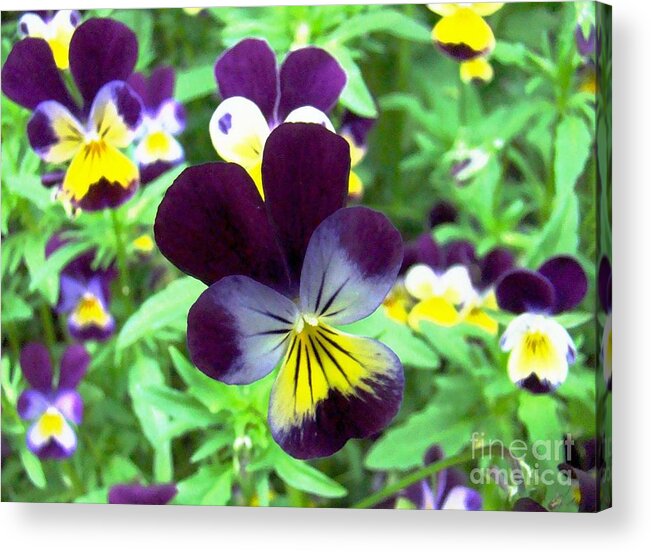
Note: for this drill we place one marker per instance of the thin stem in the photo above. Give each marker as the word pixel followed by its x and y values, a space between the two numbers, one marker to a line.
pixel 48 325
pixel 123 269
pixel 418 475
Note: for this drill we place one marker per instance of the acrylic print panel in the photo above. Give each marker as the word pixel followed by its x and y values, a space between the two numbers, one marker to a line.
pixel 311 256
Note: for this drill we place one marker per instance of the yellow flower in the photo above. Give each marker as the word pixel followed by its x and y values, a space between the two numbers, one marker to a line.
pixel 476 70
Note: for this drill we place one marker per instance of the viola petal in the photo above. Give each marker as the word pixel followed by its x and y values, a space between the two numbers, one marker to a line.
pixel 74 365
pixel 54 133
pixel 464 35
pixel 605 284
pixel 310 76
pixel 30 76
pixel 212 223
pixel 569 280
pixel 36 366
pixel 497 262
pixel 333 387
pixel 31 404
pixel 156 89
pixel 70 404
pixel 351 263
pixel 248 69
pixel 142 494
pixel 305 172
pixel 522 290
pixel 239 329
pixel 238 131
pixel 116 114
pixel 309 114
pixel 101 50
pixel 100 176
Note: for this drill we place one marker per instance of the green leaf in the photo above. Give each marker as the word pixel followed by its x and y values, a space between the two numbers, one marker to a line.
pixel 302 476
pixel 177 405
pixel 212 445
pixel 153 419
pixel 14 308
pixel 356 95
pixel 33 467
pixel 572 150
pixel 54 264
pixel 571 320
pixel 165 309
pixel 209 485
pixel 540 416
pixel 384 20
pixel 195 83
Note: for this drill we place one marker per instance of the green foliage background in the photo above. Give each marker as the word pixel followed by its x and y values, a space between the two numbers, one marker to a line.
pixel 151 416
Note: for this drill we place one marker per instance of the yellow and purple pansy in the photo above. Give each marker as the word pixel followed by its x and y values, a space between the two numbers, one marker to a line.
pixel 84 296
pixel 53 411
pixel 157 148
pixel 462 33
pixel 258 96
pixel 284 273
pixel 56 28
pixel 540 349
pixel 88 138
pixel 605 289
pixel 135 493
pixel 450 493
pixel 586 47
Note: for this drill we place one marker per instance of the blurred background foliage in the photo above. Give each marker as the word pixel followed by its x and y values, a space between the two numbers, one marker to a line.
pixel 151 416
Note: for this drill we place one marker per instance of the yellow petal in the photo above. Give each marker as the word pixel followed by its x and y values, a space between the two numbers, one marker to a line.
pixel 464 35
pixel 436 310
pixel 478 69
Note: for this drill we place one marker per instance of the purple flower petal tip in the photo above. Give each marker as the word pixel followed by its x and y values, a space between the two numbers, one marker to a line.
pixel 142 494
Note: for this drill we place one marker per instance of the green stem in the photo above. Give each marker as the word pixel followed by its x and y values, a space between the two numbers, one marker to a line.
pixel 48 325
pixel 123 268
pixel 418 475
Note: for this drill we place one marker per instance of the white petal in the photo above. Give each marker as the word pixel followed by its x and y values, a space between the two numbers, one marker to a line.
pixel 421 282
pixel 238 131
pixel 309 114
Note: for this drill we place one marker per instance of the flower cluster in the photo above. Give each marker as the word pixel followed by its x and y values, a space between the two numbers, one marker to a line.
pixel 283 274
pixel 463 34
pixel 52 410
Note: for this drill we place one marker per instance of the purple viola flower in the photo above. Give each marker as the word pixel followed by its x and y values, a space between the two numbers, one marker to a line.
pixel 54 411
pixel 142 494
pixel 258 96
pixel 540 349
pixel 164 118
pixel 85 296
pixel 450 493
pixel 605 289
pixel 442 212
pixel 56 28
pixel 88 138
pixel 283 274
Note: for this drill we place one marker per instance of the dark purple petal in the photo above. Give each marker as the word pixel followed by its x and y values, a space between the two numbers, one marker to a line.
pixel 569 280
pixel 31 404
pixel 70 404
pixel 309 76
pixel 91 332
pixel 248 69
pixel 536 386
pixel 351 264
pixel 587 487
pixel 106 195
pixel 356 127
pixel 523 290
pixel 420 495
pixel 150 172
pixel 305 170
pixel 36 366
pixel 156 89
pixel 442 213
pixel 212 223
pixel 74 364
pixel 528 505
pixel 605 284
pixel 424 250
pixel 238 330
pixel 101 51
pixel 460 253
pixel 142 494
pixel 446 481
pixel 51 450
pixel 495 263
pixel 433 454
pixel 30 76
